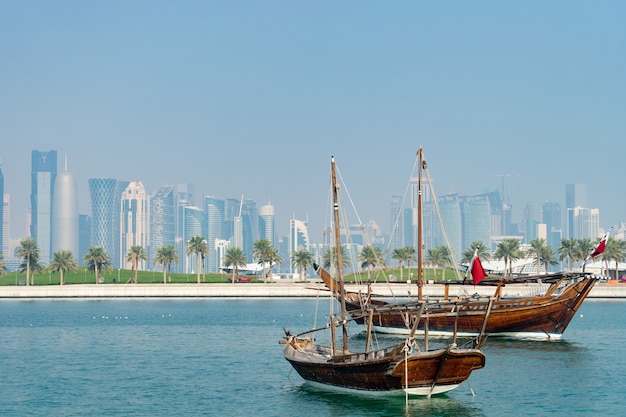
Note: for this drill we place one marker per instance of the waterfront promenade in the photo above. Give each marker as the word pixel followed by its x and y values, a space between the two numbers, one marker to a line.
pixel 274 289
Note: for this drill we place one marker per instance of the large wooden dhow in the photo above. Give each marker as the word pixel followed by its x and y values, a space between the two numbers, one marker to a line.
pixel 403 367
pixel 539 316
pixel 543 316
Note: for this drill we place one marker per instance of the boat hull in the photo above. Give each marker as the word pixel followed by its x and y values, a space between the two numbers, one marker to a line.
pixel 388 372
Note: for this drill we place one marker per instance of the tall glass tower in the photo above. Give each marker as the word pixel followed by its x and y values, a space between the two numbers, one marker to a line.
pixel 214 209
pixel 65 214
pixel 3 246
pixel 103 210
pixel 298 239
pixel 43 177
pixel 266 223
pixel 162 220
pixel 133 221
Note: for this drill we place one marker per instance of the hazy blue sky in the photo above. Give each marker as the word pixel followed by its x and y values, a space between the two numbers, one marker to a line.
pixel 253 97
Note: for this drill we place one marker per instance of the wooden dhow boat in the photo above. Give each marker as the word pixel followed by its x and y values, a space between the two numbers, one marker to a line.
pixel 538 316
pixel 403 367
pixel 543 316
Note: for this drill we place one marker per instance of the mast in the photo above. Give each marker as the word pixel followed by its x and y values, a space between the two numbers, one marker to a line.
pixel 420 244
pixel 338 255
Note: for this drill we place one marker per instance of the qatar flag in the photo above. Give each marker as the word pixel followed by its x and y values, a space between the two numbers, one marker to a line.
pixel 601 246
pixel 476 269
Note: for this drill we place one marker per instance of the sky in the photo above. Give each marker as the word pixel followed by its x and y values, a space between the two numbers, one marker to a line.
pixel 253 98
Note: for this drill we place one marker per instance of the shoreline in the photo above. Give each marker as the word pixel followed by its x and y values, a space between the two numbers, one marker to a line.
pixel 274 289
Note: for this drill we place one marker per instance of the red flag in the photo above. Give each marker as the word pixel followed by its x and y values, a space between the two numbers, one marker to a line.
pixel 476 268
pixel 601 246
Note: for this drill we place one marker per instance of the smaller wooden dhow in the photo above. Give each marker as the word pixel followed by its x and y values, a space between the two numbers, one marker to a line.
pixel 403 367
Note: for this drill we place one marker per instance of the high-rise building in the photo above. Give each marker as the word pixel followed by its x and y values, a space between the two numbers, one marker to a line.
pixel 2 221
pixel 551 217
pixel 65 214
pixel 84 237
pixel 103 192
pixel 214 209
pixel 43 177
pixel 249 226
pixel 397 222
pixel 193 223
pixel 6 226
pixel 266 223
pixel 298 239
pixel 476 220
pixel 452 219
pixel 162 221
pixel 4 246
pixel 575 195
pixel 575 198
pixel 133 221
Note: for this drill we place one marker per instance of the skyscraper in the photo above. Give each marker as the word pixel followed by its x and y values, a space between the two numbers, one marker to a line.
pixel 476 220
pixel 298 239
pixel 65 214
pixel 133 222
pixel 551 216
pixel 193 223
pixel 43 177
pixel 103 203
pixel 3 245
pixel 214 209
pixel 266 223
pixel 162 220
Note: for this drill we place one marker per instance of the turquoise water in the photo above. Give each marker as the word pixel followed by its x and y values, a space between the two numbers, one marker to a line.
pixel 222 357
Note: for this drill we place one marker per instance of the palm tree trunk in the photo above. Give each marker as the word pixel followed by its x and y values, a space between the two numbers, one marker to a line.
pixel 27 271
pixel 198 267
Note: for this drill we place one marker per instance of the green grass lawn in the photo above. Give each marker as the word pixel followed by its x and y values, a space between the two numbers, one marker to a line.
pixel 115 276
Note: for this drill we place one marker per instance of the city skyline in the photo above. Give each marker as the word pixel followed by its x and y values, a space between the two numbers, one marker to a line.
pixel 254 100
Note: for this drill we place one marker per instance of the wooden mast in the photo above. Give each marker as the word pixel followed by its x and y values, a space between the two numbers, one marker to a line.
pixel 338 255
pixel 420 245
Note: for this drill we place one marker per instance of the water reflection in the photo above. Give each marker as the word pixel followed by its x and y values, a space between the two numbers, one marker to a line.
pixel 337 403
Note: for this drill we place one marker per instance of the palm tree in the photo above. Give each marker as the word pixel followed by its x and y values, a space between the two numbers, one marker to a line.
pixel 198 247
pixel 439 257
pixel 261 251
pixel 63 261
pixel 166 255
pixel 403 255
pixel 615 251
pixel 510 251
pixel 300 260
pixel 331 255
pixel 583 248
pixel 3 266
pixel 273 258
pixel 97 260
pixel 477 247
pixel 539 249
pixel 29 252
pixel 235 258
pixel 370 257
pixel 134 256
pixel 567 250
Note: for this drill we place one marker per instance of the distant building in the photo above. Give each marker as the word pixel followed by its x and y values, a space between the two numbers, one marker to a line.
pixel 65 214
pixel 104 216
pixel 4 234
pixel 214 209
pixel 193 223
pixel 43 177
pixel 162 221
pixel 133 222
pixel 266 223
pixel 298 239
